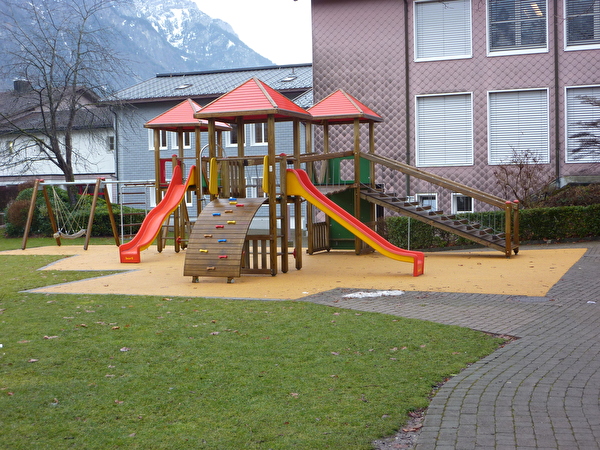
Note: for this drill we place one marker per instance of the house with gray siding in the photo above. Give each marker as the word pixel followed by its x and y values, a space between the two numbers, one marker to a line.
pixel 138 104
pixel 466 86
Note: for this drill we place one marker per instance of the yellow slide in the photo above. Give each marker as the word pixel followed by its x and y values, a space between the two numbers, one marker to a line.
pixel 298 183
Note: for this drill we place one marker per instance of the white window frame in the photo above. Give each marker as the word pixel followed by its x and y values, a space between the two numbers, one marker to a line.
pixel 596 19
pixel 438 123
pixel 430 18
pixel 428 196
pixel 455 197
pixel 253 186
pixel 253 135
pixel 164 138
pixel 227 136
pixel 571 128
pixel 513 51
pixel 187 139
pixel 514 142
pixel 111 142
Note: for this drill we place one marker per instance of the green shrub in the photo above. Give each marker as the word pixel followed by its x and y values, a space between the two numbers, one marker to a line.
pixel 573 196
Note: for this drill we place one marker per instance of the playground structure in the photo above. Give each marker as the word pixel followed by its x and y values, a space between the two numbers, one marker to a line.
pixel 219 244
pixel 66 222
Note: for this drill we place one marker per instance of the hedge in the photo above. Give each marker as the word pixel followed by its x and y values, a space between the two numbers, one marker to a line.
pixel 536 224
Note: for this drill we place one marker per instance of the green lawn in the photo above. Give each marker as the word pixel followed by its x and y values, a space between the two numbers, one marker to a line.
pixel 110 371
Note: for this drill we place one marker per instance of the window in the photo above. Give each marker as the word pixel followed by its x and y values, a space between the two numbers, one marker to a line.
pixel 187 139
pixel 254 188
pixel 442 30
pixel 428 200
pixel 111 143
pixel 517 26
pixel 164 139
pixel 580 112
pixel 518 125
pixel 444 130
pixel 461 203
pixel 583 23
pixel 231 137
pixel 259 134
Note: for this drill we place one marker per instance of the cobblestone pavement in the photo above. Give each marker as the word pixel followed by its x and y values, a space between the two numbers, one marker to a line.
pixel 542 391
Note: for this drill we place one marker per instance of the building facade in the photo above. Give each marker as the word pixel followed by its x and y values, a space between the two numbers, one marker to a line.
pixel 467 86
pixel 135 106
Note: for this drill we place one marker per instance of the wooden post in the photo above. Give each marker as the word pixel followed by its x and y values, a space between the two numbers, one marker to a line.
pixel 158 193
pixel 516 237
pixel 297 202
pixel 372 208
pixel 111 215
pixel 272 193
pixel 310 169
pixel 241 135
pixel 212 152
pixel 176 213
pixel 51 215
pixel 88 230
pixel 283 216
pixel 198 147
pixel 507 228
pixel 357 241
pixel 36 186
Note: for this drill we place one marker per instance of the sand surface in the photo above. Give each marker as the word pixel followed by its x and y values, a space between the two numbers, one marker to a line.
pixel 532 272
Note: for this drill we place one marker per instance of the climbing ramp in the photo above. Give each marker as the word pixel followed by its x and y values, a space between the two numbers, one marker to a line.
pixel 216 244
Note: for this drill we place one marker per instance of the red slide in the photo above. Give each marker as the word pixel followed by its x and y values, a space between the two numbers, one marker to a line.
pixel 298 183
pixel 130 251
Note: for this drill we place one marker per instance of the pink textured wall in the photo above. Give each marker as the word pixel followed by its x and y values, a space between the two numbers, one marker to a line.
pixel 360 46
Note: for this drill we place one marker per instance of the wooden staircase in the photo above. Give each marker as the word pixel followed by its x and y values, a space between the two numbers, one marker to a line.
pixel 461 227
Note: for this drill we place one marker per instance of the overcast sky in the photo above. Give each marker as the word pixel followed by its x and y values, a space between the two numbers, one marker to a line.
pixel 277 29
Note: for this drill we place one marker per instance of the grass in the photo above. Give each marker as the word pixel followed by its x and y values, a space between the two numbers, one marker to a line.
pixel 112 371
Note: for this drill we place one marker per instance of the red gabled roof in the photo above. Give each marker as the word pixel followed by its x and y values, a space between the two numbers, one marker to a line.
pixel 341 107
pixel 254 101
pixel 181 116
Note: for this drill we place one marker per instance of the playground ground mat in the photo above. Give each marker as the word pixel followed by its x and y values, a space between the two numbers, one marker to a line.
pixel 532 273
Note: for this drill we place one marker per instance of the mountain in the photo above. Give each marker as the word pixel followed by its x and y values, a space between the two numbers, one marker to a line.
pixel 175 36
pixel 162 36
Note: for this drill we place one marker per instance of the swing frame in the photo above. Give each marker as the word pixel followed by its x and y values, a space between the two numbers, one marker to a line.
pixel 53 223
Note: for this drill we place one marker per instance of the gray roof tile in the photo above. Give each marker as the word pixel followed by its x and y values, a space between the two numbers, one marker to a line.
pixel 215 83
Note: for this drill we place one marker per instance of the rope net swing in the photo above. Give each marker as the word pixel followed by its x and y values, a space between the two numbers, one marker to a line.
pixel 70 220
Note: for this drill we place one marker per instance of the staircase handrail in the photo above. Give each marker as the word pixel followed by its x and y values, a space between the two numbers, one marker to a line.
pixel 436 179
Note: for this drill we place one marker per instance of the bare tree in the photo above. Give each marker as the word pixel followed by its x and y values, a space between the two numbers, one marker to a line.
pixel 523 178
pixel 63 55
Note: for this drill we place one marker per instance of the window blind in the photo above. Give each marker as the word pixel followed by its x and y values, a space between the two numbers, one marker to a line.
pixel 442 29
pixel 580 113
pixel 444 130
pixel 518 124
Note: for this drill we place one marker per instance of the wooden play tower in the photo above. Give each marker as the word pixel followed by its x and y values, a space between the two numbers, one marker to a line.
pixel 226 222
pixel 220 244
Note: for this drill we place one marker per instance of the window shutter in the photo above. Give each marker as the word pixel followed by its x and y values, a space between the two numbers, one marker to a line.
pixel 518 122
pixel 444 130
pixel 578 113
pixel 442 29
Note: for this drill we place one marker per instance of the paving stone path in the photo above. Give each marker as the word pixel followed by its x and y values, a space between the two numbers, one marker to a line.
pixel 542 391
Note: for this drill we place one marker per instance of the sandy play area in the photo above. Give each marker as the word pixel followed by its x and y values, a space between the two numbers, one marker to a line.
pixel 532 272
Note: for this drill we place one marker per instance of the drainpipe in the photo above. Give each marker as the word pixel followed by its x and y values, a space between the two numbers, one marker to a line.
pixel 406 93
pixel 556 96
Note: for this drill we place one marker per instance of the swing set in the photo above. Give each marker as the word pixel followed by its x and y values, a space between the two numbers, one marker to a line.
pixel 68 222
